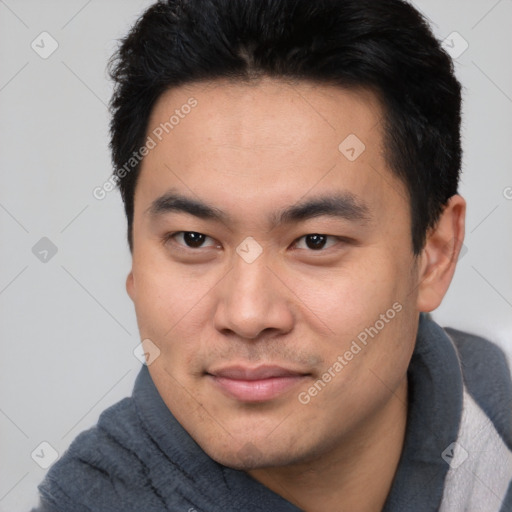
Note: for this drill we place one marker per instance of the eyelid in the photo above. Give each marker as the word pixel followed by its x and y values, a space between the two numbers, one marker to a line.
pixel 172 236
pixel 337 239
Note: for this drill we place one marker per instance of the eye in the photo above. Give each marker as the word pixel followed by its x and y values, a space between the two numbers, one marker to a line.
pixel 191 239
pixel 315 241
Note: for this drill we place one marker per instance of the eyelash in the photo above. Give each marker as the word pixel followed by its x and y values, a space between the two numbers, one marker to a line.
pixel 171 236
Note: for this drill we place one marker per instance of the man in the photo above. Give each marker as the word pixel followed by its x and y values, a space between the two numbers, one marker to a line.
pixel 289 172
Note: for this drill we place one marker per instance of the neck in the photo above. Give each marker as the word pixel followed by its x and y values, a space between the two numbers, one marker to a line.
pixel 357 474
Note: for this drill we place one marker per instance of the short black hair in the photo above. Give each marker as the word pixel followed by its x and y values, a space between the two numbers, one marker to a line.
pixel 382 45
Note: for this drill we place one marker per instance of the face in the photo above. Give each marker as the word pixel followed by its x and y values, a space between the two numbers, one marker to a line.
pixel 273 269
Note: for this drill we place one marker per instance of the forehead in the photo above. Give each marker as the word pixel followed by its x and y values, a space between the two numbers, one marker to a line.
pixel 271 111
pixel 251 142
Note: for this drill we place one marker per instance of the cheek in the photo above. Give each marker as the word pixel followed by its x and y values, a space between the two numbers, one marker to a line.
pixel 369 311
pixel 169 300
pixel 348 299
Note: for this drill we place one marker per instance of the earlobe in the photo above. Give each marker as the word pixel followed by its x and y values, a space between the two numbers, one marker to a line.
pixel 130 286
pixel 440 254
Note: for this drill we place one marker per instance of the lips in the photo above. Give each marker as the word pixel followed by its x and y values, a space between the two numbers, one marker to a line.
pixel 259 384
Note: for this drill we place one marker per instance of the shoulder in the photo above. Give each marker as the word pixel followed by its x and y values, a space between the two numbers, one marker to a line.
pixel 487 378
pixel 100 462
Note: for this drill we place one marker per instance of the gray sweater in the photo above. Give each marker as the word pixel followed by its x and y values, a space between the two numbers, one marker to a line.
pixel 457 454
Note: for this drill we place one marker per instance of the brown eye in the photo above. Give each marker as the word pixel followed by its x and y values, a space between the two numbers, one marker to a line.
pixel 192 239
pixel 315 241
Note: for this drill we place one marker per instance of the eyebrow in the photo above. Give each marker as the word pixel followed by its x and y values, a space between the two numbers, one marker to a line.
pixel 339 205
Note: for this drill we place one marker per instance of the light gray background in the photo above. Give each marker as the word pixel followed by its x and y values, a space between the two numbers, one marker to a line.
pixel 68 328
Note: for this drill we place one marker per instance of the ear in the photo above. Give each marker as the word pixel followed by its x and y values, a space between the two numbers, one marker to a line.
pixel 440 254
pixel 130 285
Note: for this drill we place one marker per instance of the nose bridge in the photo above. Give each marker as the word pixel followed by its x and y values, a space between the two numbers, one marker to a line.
pixel 250 288
pixel 251 301
pixel 250 271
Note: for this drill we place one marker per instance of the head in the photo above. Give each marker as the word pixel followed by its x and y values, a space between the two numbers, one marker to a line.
pixel 291 204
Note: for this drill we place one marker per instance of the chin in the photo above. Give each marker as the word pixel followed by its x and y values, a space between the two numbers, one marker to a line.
pixel 247 454
pixel 248 458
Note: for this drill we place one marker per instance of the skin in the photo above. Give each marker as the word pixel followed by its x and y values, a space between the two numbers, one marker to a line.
pixel 251 150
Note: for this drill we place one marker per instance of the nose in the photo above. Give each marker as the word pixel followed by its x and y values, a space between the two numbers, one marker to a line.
pixel 253 302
